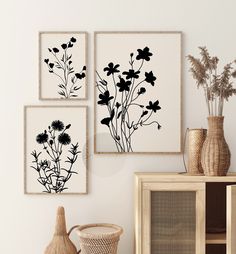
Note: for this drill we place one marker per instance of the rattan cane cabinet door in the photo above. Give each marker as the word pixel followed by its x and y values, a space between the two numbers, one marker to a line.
pixel 173 218
pixel 231 220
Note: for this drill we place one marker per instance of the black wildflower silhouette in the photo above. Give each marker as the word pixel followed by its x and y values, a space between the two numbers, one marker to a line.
pixel 105 98
pixel 64 46
pixel 52 174
pixel 123 85
pixel 111 69
pixel 150 78
pixel 73 40
pixel 63 70
pixel 64 139
pixel 144 54
pixel 142 90
pixel 80 76
pixel 120 95
pixel 42 138
pixel 57 125
pixel 154 106
pixel 131 74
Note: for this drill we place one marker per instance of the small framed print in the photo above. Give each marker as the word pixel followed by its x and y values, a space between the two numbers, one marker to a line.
pixel 62 65
pixel 55 149
pixel 138 92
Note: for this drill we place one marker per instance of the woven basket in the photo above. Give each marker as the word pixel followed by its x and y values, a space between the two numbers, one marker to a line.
pixel 215 157
pixel 196 138
pixel 99 238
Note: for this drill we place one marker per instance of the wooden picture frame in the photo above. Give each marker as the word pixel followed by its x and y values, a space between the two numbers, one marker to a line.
pixel 123 64
pixel 62 65
pixel 55 150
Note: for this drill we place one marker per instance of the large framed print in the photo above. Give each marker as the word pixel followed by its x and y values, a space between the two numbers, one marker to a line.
pixel 55 149
pixel 62 65
pixel 138 92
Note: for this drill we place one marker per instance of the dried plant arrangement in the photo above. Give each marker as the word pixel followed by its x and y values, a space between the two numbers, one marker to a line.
pixel 218 87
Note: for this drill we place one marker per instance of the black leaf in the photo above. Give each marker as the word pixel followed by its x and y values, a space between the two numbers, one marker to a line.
pixel 106 121
pixel 112 114
pixel 55 50
pixel 119 114
pixel 77 88
pixel 144 113
pixel 118 104
pixel 103 82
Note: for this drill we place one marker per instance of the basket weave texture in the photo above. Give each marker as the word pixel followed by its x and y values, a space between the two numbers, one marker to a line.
pixel 99 243
pixel 196 138
pixel 215 157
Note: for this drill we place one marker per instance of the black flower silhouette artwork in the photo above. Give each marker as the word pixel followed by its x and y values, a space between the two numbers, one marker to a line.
pixel 120 93
pixel 61 66
pixel 53 171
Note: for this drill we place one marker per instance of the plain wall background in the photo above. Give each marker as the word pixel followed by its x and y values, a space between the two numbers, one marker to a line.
pixel 27 222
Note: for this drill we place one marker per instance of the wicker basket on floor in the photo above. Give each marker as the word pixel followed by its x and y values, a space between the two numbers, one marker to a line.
pixel 99 238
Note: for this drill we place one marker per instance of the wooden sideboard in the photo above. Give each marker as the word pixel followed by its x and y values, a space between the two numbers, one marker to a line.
pixel 183 214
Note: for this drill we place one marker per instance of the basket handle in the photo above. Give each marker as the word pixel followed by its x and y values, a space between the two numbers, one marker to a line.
pixel 74 227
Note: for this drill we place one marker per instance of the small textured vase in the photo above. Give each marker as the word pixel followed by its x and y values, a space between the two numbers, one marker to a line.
pixel 196 138
pixel 215 157
pixel 61 243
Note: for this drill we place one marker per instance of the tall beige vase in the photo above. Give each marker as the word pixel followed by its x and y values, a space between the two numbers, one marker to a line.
pixel 215 156
pixel 60 244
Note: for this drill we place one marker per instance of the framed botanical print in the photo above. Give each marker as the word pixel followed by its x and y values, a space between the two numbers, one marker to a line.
pixel 138 92
pixel 62 65
pixel 55 149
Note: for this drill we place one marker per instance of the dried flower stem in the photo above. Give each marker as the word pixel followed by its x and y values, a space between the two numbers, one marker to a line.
pixel 217 87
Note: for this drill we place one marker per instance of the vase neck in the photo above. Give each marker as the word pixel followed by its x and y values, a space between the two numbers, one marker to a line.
pixel 216 125
pixel 60 228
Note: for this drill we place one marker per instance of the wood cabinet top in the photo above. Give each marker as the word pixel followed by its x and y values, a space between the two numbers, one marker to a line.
pixel 182 177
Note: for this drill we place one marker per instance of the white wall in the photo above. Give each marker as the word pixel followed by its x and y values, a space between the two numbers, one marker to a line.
pixel 26 222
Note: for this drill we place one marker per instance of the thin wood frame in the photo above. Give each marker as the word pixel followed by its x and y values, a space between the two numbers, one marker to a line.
pixel 25 149
pixel 40 62
pixel 181 89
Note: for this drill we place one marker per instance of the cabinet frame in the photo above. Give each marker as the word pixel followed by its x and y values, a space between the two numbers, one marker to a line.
pixel 147 182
